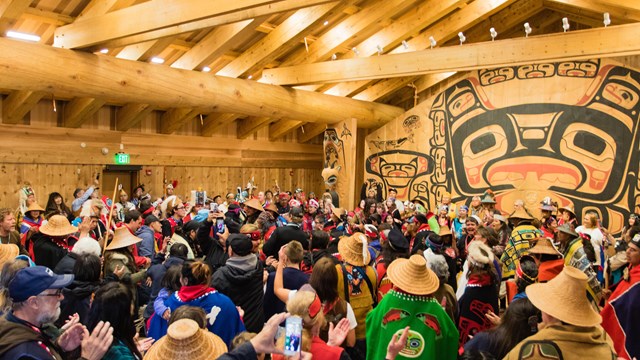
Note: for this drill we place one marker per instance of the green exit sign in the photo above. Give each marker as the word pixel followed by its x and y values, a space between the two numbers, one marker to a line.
pixel 122 159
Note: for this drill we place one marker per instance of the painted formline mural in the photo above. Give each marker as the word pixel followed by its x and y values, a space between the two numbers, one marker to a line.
pixel 568 130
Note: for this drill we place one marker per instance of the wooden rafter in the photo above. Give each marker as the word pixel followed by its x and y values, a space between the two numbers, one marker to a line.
pixel 621 40
pixel 214 121
pixel 160 18
pixel 309 131
pixel 291 31
pixel 418 18
pixel 250 125
pixel 176 118
pixel 283 127
pixel 444 30
pixel 216 43
pixel 10 12
pixel 621 11
pixel 130 115
pixel 79 110
pixel 18 104
pixel 324 47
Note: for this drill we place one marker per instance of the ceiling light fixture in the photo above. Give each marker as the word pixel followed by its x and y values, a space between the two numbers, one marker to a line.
pixel 493 33
pixel 565 24
pixel 607 19
pixel 527 29
pixel 405 44
pixel 326 22
pixel 432 42
pixel 104 51
pixel 206 69
pixel 23 36
pixel 157 60
pixel 462 37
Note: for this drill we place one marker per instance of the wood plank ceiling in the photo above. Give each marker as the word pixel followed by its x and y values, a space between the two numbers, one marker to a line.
pixel 244 38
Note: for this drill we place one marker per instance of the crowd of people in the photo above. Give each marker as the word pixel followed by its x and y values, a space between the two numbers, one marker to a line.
pixel 165 278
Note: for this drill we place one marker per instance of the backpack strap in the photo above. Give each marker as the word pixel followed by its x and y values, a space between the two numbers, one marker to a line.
pixel 363 273
pixel 346 282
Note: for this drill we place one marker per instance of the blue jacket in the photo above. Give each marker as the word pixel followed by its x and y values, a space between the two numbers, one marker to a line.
pixel 223 318
pixel 146 248
pixel 156 273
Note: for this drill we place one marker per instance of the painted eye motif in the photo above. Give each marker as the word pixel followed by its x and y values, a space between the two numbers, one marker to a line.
pixel 414 343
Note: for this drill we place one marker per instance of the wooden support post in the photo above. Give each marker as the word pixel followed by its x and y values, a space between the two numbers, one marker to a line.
pixel 18 104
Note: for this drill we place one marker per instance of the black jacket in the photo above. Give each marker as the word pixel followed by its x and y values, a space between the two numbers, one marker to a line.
pixel 46 252
pixel 77 299
pixel 241 280
pixel 66 265
pixel 215 254
pixel 283 235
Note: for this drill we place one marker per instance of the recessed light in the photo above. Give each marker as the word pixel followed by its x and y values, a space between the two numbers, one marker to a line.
pixel 250 77
pixel 326 22
pixel 157 60
pixel 23 36
pixel 206 69
pixel 104 51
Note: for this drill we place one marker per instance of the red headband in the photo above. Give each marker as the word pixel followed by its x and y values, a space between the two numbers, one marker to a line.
pixel 315 307
pixel 254 235
pixel 148 211
pixel 522 275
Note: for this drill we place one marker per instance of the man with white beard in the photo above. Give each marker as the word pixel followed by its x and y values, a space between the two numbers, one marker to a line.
pixel 26 332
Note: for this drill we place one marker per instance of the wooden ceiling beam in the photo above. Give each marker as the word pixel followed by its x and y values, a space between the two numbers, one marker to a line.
pixel 176 118
pixel 413 22
pixel 10 12
pixel 217 42
pixel 617 9
pixel 18 103
pixel 166 18
pixel 130 115
pixel 215 121
pixel 621 40
pixel 345 32
pixel 47 17
pixel 383 88
pixel 79 110
pixel 309 131
pixel 289 32
pixel 122 81
pixel 283 127
pixel 250 125
pixel 146 50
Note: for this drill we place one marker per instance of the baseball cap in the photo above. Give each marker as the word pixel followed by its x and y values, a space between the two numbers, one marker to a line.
pixel 241 244
pixel 31 281
pixel 150 219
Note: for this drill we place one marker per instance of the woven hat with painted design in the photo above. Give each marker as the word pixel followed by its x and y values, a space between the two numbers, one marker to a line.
pixel 544 246
pixel 122 238
pixel 565 298
pixel 413 275
pixel 353 249
pixel 520 213
pixel 254 204
pixel 185 340
pixel 58 225
pixel 8 252
pixel 568 208
pixel 34 207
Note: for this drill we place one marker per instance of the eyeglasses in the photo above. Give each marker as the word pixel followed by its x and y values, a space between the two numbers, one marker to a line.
pixel 56 294
pixel 180 208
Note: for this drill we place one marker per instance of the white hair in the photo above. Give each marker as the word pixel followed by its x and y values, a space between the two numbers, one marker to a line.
pixel 438 264
pixel 86 245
